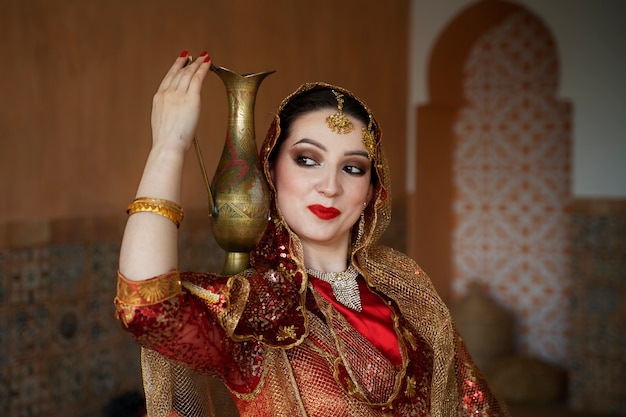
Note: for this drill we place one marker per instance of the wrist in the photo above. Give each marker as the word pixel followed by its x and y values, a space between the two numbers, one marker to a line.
pixel 167 154
pixel 162 175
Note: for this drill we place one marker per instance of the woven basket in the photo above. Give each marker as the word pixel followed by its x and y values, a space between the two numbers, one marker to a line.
pixel 526 380
pixel 487 328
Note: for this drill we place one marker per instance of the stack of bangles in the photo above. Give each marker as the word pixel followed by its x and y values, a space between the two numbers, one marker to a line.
pixel 165 208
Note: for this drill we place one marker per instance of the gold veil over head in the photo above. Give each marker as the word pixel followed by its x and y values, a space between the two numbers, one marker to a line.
pixel 378 211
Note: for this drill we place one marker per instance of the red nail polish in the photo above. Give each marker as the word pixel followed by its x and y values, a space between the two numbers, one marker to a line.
pixel 207 59
pixel 204 53
pixel 184 54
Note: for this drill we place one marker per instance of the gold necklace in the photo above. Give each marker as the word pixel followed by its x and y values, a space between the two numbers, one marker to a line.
pixel 344 285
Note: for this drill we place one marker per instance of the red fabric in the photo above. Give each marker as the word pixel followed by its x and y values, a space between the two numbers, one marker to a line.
pixel 374 322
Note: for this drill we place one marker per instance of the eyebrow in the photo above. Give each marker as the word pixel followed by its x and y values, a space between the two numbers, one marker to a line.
pixel 322 147
pixel 310 142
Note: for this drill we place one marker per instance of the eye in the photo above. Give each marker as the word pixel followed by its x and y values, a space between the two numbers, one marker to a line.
pixel 305 161
pixel 354 170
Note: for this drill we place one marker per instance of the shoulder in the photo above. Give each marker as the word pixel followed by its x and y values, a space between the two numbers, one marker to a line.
pixel 398 275
pixel 386 260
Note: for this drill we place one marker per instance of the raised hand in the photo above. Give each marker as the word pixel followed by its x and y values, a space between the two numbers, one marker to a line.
pixel 176 104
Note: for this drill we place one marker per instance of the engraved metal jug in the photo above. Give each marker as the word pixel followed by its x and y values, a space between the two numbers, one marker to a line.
pixel 238 195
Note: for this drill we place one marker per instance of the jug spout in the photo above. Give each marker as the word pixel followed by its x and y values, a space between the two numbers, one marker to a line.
pixel 240 81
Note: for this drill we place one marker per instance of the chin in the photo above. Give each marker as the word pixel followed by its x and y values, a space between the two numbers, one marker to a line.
pixel 323 238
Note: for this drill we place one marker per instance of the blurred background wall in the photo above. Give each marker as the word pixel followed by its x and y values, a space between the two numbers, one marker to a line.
pixel 516 171
pixel 76 84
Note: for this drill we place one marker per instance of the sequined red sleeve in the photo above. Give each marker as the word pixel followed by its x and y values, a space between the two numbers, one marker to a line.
pixel 274 313
pixel 189 318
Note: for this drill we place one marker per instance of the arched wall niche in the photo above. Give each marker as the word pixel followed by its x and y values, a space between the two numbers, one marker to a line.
pixel 430 237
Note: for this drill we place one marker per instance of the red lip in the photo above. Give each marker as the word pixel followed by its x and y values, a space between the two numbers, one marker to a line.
pixel 324 213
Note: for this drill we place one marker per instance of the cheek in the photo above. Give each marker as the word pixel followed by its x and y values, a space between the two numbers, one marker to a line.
pixel 370 192
pixel 362 193
pixel 288 184
pixel 280 177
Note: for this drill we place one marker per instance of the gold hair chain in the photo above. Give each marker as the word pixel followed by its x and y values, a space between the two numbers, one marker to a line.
pixel 338 122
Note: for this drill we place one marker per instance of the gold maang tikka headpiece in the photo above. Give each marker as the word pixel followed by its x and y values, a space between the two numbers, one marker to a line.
pixel 369 139
pixel 338 122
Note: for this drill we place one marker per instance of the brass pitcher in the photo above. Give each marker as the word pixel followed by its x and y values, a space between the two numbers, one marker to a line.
pixel 238 195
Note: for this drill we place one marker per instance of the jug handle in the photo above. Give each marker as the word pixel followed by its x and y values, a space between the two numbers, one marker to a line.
pixel 212 205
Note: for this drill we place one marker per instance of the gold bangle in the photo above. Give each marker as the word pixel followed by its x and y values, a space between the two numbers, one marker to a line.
pixel 165 208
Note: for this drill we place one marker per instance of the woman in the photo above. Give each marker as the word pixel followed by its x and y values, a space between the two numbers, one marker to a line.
pixel 326 322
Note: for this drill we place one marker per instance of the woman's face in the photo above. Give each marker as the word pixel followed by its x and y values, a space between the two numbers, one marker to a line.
pixel 322 179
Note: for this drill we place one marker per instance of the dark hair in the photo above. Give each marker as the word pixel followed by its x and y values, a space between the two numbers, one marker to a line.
pixel 310 101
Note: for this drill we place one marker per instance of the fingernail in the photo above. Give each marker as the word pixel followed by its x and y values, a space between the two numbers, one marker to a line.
pixel 204 53
pixel 184 54
pixel 207 58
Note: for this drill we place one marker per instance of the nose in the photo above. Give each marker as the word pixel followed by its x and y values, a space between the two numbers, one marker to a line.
pixel 328 183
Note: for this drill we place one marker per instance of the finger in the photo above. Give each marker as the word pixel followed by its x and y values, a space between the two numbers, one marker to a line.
pixel 174 70
pixel 183 79
pixel 198 77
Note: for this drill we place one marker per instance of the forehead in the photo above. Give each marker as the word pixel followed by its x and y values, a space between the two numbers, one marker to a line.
pixel 313 125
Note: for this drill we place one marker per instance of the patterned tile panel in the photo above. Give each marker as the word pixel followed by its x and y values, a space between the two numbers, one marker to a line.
pixel 598 345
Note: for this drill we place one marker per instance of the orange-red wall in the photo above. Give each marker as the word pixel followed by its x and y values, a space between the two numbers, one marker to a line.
pixel 77 78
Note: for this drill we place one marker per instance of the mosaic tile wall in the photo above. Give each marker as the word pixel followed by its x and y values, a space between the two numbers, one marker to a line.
pixel 62 353
pixel 598 345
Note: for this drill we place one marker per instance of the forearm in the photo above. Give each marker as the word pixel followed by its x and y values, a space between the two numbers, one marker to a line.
pixel 150 241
